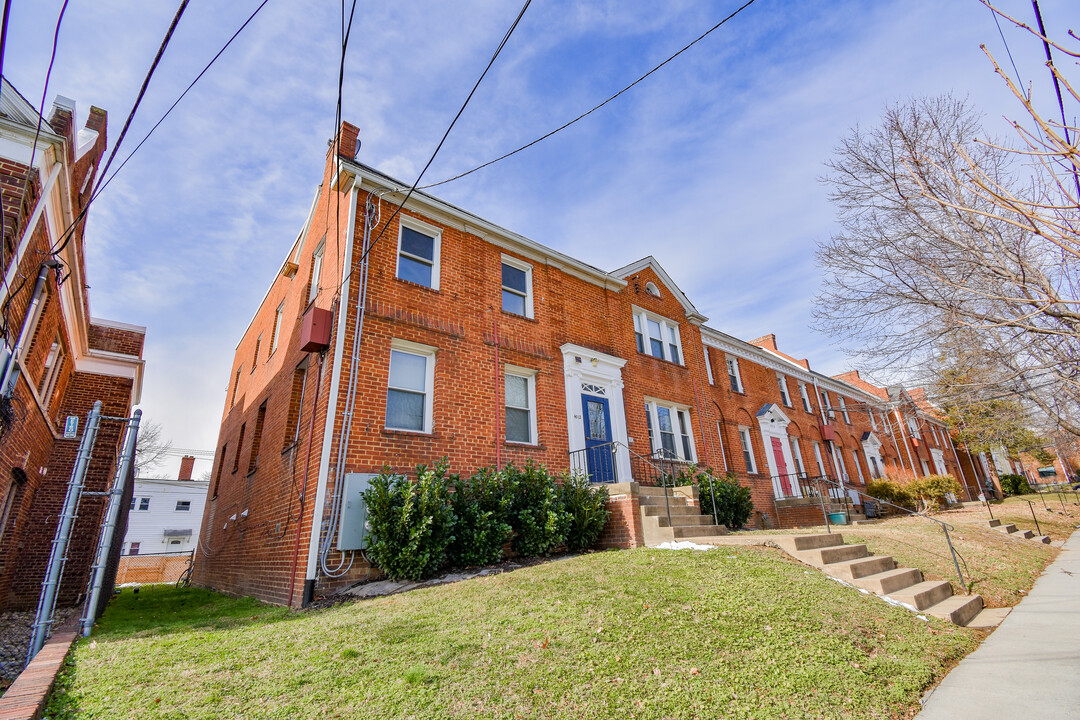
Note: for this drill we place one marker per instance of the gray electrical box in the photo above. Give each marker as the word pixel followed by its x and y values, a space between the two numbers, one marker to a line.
pixel 353 531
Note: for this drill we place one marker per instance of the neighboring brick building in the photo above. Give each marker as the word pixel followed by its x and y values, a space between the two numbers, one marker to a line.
pixel 66 360
pixel 437 333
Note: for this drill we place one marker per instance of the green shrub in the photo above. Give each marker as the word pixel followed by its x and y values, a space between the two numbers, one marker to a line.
pixel 1015 485
pixel 930 490
pixel 535 510
pixel 891 491
pixel 732 500
pixel 586 507
pixel 480 505
pixel 412 523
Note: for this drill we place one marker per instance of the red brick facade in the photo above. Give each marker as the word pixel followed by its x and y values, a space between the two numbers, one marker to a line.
pixel 586 333
pixel 67 361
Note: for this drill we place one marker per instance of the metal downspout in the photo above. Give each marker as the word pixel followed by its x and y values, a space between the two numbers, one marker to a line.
pixel 7 383
pixel 331 412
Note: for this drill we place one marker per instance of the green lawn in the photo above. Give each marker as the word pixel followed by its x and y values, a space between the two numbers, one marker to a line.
pixel 739 633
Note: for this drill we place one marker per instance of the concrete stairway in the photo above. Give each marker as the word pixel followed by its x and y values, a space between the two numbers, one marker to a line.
pixel 687 522
pixel 1011 529
pixel 879 574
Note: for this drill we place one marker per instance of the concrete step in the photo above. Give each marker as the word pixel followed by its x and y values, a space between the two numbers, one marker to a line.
pixel 656 491
pixel 839 553
pixel 815 542
pixel 1044 539
pixel 688 531
pixel 658 501
pixel 676 509
pixel 1026 534
pixel 860 567
pixel 988 618
pixel 993 523
pixel 1009 529
pixel 957 609
pixel 885 583
pixel 683 520
pixel 924 594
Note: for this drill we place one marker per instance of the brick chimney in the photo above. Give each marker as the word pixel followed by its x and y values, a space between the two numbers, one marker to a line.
pixel 187 464
pixel 347 140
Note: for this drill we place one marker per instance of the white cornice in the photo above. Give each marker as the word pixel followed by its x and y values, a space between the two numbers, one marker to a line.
pixel 117 325
pixel 649 261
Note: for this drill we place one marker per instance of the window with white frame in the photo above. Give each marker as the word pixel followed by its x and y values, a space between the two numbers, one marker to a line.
pixel 133 548
pixel 747 449
pixel 670 433
pixel 796 455
pixel 517 294
pixel 418 253
pixel 825 404
pixel 913 427
pixel 873 420
pixel 708 365
pixel 279 314
pixel 410 387
pixel 843 410
pixel 841 466
pixel 733 374
pixel 875 469
pixel 858 465
pixel 520 402
pixel 805 397
pixel 781 380
pixel 316 272
pixel 657 336
pixel 818 459
pixel 183 506
pixel 51 372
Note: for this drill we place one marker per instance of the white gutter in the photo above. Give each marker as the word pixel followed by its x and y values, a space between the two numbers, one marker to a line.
pixel 28 231
pixel 332 401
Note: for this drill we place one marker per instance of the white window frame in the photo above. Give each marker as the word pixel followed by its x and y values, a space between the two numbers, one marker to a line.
pixel 796 455
pixel 657 443
pixel 820 460
pixel 527 269
pixel 53 363
pixel 785 395
pixel 805 397
pixel 667 329
pixel 826 404
pixel 183 509
pixel 858 465
pixel 436 250
pixel 316 271
pixel 913 427
pixel 428 352
pixel 279 315
pixel 841 466
pixel 732 363
pixel 747 448
pixel 843 409
pixel 708 366
pixel 873 420
pixel 529 376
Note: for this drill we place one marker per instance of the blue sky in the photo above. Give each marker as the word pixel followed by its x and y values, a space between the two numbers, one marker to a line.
pixel 712 165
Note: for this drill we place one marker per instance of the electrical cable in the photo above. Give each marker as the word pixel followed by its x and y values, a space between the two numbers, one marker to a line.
pixel 44 94
pixel 595 108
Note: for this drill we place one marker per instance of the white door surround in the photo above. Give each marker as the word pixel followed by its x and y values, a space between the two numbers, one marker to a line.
pixel 871 446
pixel 601 375
pixel 773 423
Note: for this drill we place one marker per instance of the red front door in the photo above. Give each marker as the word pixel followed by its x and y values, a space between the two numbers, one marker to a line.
pixel 781 466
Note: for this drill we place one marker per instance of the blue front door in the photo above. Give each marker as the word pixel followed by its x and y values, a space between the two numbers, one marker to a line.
pixel 599 452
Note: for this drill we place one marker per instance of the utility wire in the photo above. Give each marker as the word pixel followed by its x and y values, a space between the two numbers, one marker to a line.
pixel 412 189
pixel 127 124
pixel 44 94
pixel 595 108
pixel 1006 44
pixel 1057 87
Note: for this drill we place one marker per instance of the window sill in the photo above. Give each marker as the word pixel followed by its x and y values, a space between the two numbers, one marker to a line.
pixel 409 433
pixel 663 360
pixel 417 285
pixel 526 318
pixel 524 445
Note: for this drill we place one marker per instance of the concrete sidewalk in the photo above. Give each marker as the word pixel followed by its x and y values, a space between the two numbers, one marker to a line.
pixel 1030 666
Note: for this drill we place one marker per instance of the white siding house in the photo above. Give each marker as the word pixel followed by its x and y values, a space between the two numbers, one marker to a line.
pixel 165 516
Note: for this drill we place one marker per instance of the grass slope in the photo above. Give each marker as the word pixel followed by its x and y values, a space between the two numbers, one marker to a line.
pixel 739 633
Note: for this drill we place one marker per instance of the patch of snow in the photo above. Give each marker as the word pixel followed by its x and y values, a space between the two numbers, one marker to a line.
pixel 683 545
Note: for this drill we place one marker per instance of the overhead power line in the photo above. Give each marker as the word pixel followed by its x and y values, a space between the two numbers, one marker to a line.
pixel 585 114
pixel 446 134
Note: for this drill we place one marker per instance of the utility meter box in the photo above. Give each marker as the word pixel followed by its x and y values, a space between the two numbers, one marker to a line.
pixel 353 531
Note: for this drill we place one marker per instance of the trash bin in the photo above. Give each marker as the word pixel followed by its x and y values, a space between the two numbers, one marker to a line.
pixel 838 518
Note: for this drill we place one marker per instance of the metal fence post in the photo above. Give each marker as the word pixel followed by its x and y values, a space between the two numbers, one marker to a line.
pixel 116 499
pixel 58 555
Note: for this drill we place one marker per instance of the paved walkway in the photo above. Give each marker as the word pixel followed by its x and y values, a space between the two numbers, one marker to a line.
pixel 1030 666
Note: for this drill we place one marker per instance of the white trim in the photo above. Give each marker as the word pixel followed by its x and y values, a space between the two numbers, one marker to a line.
pixel 582 365
pixel 317 256
pixel 785 392
pixel 872 449
pixel 117 325
pixel 843 409
pixel 529 375
pixel 528 270
pixel 674 410
pixel 804 395
pixel 731 362
pixel 428 353
pixel 708 365
pixel 746 445
pixel 773 423
pixel 667 328
pixel 428 230
pixel 28 231
pixel 649 261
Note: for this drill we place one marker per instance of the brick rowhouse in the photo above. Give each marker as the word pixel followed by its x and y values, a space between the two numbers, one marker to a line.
pixel 68 359
pixel 484 347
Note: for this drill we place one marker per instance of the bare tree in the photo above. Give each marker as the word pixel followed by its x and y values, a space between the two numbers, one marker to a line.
pixel 946 233
pixel 151 448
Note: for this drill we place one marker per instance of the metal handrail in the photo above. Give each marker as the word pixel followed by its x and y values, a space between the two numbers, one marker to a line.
pixel 945 527
pixel 1031 506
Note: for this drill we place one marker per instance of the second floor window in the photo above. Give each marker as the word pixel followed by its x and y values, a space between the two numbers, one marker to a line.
pixel 657 336
pixel 418 255
pixel 782 381
pixel 843 410
pixel 805 397
pixel 517 288
pixel 733 374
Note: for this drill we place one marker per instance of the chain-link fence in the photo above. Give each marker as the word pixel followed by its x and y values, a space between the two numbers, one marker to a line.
pixel 150 568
